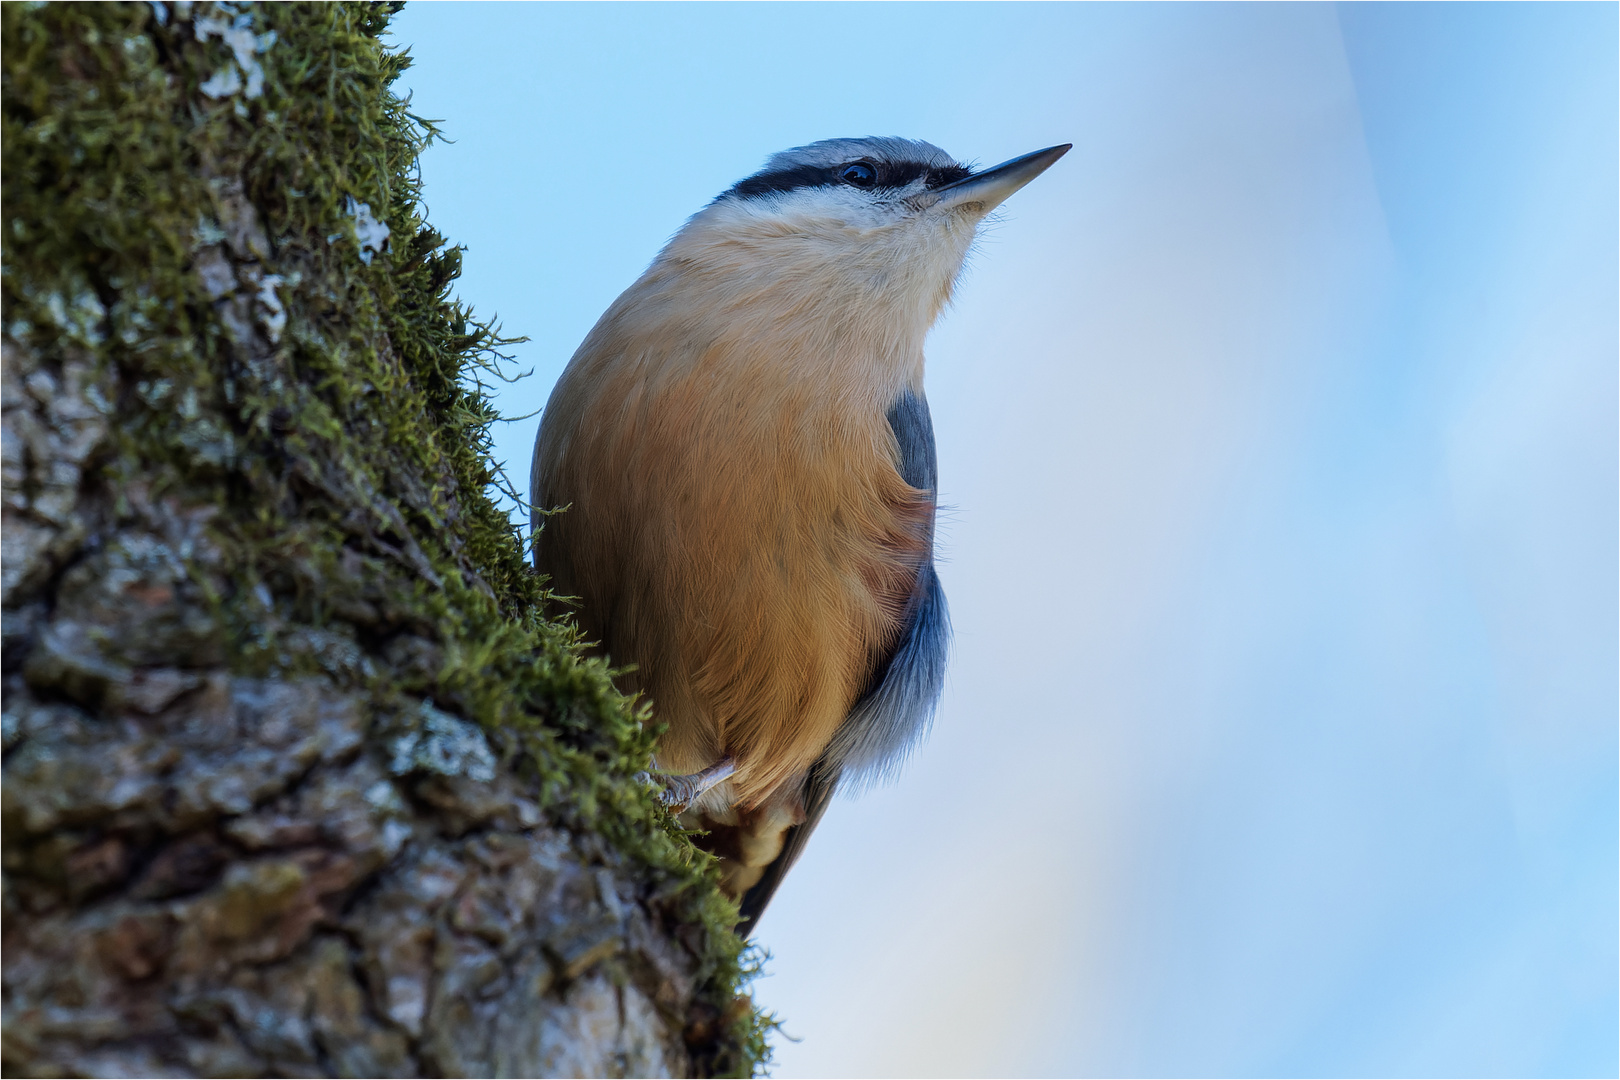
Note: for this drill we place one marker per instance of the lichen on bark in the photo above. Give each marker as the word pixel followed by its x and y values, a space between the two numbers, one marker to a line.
pixel 300 777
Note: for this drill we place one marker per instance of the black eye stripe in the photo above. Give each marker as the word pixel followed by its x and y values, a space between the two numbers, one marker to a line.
pixel 890 174
pixel 949 174
pixel 767 183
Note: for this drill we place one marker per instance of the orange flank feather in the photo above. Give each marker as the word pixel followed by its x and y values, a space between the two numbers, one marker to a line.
pixel 754 562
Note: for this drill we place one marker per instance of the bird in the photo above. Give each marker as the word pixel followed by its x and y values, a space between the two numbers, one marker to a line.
pixel 735 482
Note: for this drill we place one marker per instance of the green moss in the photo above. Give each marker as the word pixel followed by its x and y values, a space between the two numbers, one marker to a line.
pixel 322 394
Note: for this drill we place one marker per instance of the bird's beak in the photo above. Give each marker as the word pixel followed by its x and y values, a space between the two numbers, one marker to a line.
pixel 985 191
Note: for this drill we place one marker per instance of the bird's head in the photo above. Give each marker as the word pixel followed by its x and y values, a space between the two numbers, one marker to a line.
pixel 878 227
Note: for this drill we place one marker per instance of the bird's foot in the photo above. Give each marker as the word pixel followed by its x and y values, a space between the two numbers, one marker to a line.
pixel 679 792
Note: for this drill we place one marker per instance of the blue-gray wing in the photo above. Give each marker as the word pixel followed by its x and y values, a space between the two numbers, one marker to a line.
pixel 894 713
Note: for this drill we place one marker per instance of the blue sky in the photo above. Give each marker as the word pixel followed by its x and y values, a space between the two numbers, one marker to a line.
pixel 1278 426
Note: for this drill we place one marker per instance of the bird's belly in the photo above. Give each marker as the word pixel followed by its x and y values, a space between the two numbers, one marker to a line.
pixel 753 572
pixel 785 605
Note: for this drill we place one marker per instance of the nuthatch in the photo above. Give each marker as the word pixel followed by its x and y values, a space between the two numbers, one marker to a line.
pixel 747 462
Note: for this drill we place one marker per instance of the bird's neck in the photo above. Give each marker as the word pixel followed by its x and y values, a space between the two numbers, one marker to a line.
pixel 840 314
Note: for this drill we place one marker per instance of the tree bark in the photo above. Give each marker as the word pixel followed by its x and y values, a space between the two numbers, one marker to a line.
pixel 300 777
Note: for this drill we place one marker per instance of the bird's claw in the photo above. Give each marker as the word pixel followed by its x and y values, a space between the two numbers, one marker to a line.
pixel 679 792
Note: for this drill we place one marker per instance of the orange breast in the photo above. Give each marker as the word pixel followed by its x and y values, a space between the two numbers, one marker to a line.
pixel 737 530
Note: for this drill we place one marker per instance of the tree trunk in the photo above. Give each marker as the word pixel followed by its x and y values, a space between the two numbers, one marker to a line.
pixel 299 776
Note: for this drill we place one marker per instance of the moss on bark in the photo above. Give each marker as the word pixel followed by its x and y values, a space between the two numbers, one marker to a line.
pixel 247 449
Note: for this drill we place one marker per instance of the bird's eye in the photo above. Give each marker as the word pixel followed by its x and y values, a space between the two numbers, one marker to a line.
pixel 858 174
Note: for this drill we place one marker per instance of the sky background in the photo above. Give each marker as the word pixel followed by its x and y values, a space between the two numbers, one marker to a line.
pixel 1277 424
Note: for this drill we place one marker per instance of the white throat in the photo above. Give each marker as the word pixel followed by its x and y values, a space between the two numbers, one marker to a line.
pixel 820 271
